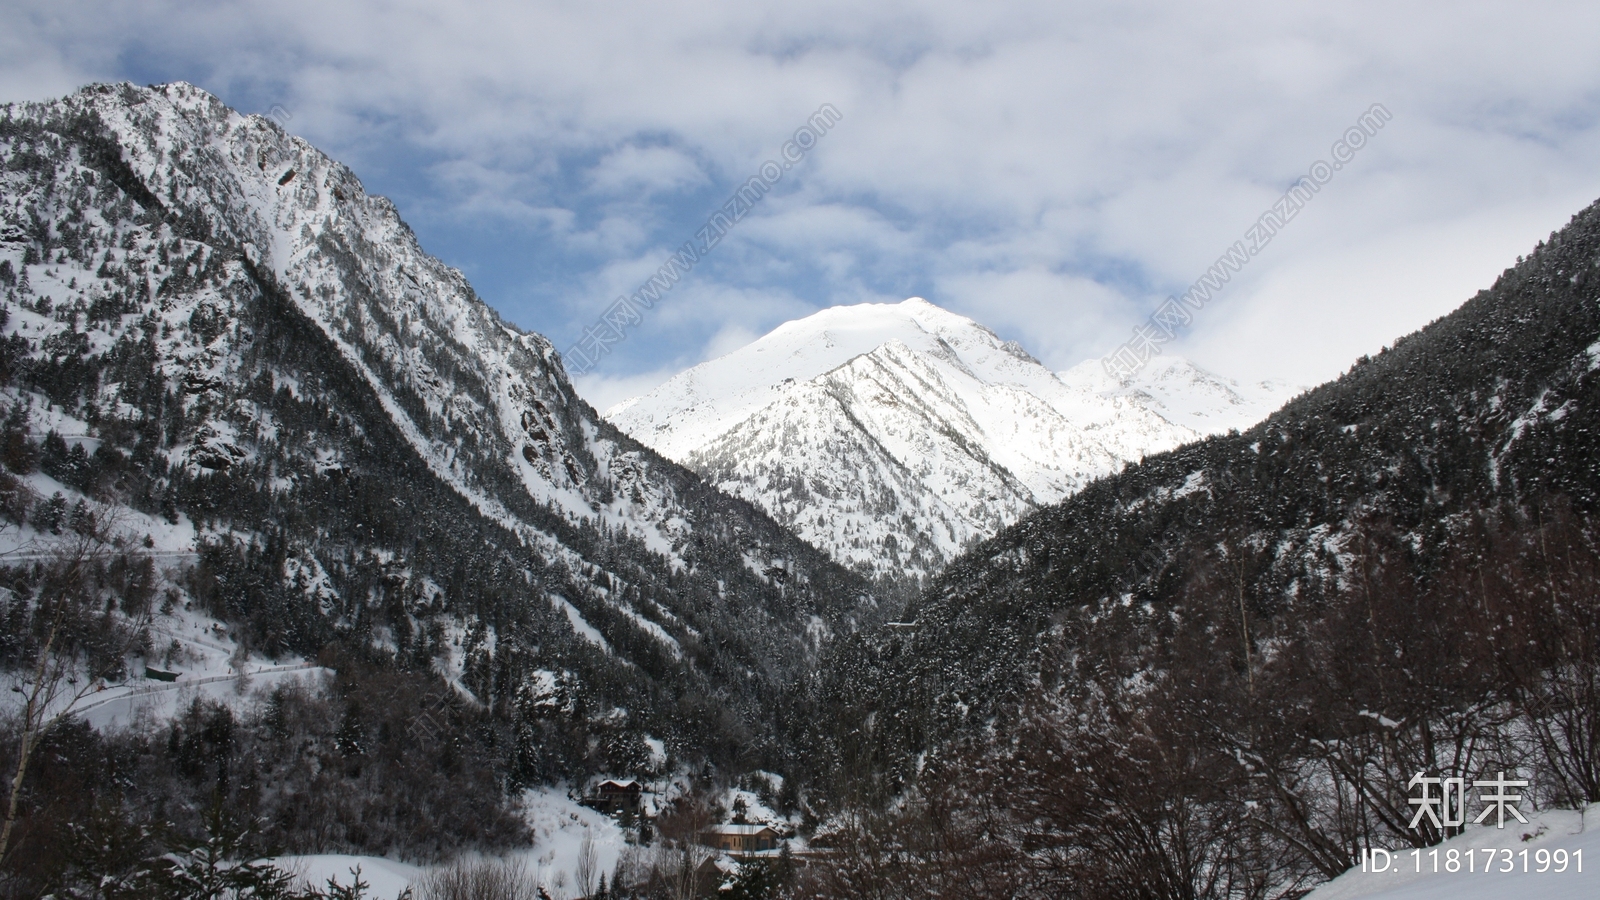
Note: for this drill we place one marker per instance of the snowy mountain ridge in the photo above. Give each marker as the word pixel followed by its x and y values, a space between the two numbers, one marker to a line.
pixel 442 362
pixel 704 402
pixel 1185 394
pixel 894 435
pixel 303 218
pixel 229 330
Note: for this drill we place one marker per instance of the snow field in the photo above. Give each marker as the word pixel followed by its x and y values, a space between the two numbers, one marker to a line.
pixel 1570 830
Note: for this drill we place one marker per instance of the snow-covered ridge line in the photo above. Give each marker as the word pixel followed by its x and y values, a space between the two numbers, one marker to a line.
pixel 253 217
pixel 301 216
pixel 893 436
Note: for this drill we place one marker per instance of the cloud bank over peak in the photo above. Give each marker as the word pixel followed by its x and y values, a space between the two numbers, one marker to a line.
pixel 1054 172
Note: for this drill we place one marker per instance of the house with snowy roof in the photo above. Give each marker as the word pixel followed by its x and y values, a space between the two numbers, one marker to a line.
pixel 616 796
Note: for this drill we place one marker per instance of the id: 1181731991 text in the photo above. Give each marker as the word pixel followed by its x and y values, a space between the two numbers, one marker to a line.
pixel 1484 860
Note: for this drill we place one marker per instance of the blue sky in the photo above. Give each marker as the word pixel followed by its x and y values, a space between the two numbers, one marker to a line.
pixel 1053 170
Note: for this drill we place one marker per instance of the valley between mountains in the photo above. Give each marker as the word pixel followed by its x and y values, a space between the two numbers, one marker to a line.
pixel 306 552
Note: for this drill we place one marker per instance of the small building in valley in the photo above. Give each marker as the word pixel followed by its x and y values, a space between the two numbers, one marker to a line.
pixel 616 797
pixel 739 840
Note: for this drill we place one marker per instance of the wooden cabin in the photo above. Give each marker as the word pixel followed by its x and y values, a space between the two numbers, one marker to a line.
pixel 741 839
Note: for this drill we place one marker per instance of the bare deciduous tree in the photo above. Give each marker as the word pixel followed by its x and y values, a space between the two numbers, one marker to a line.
pixel 79 637
pixel 682 853
pixel 586 870
pixel 481 879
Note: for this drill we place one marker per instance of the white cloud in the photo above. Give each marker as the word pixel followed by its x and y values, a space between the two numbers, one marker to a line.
pixel 1023 158
pixel 645 169
pixel 1058 318
pixel 1309 319
pixel 605 391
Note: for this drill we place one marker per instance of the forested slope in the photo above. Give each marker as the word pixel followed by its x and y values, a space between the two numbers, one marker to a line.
pixel 1215 672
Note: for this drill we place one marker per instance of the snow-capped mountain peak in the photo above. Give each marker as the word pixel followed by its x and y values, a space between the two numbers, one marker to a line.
pixel 893 435
pixel 706 401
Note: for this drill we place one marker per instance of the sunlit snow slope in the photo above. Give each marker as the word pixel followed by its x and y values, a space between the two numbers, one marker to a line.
pixel 892 435
pixel 1185 394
